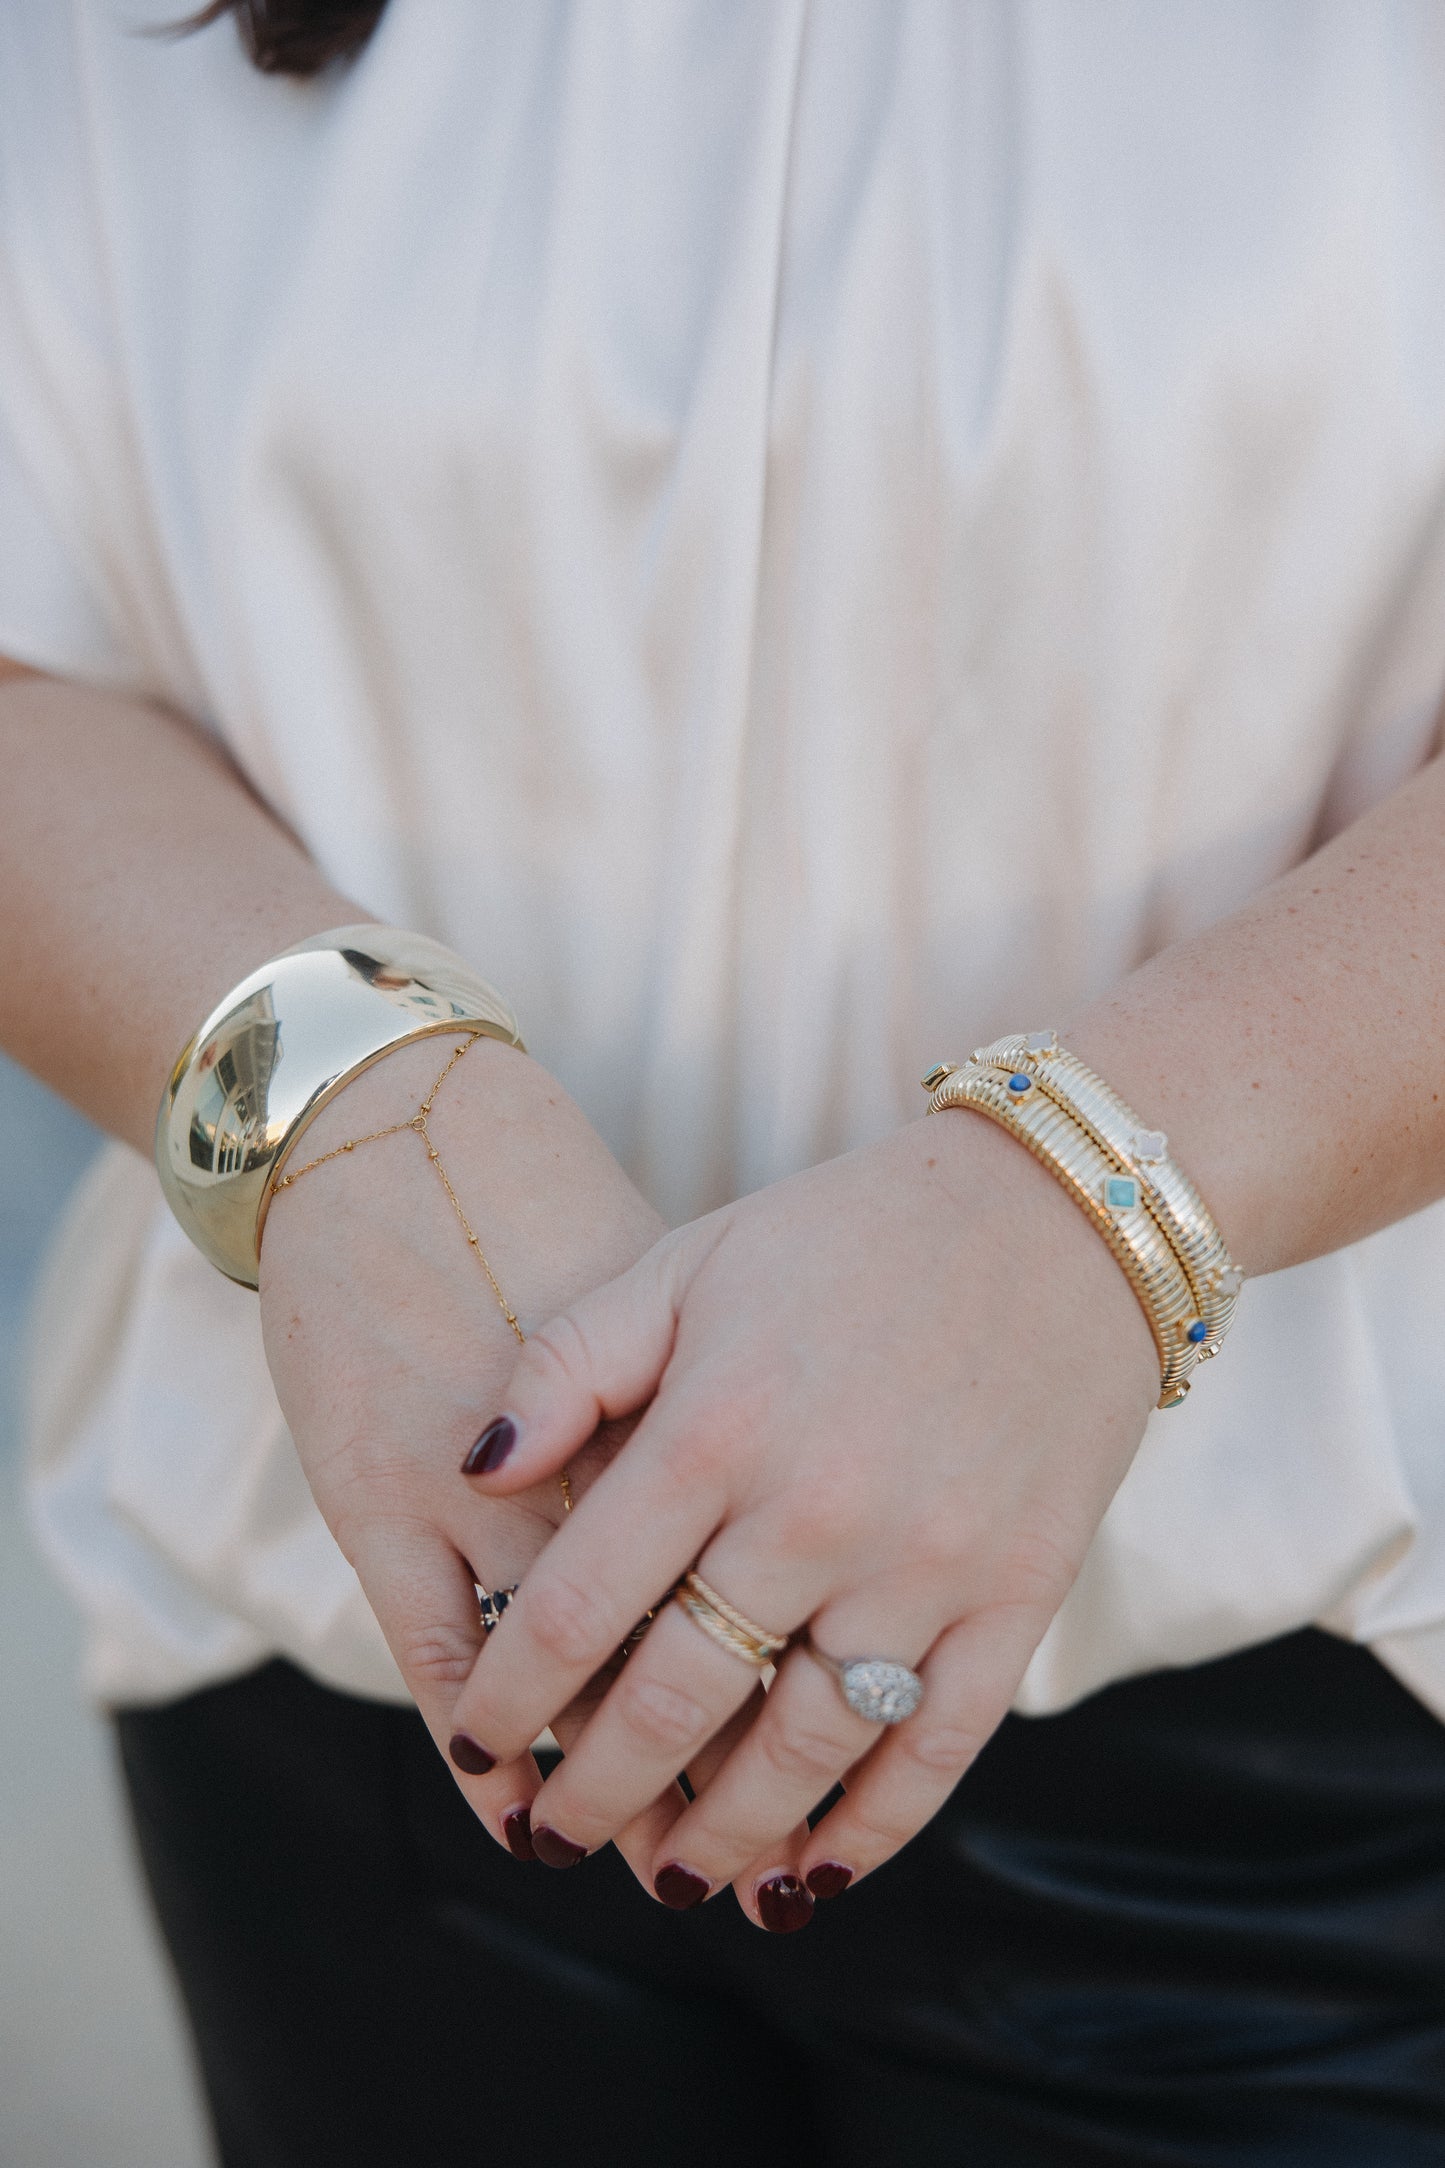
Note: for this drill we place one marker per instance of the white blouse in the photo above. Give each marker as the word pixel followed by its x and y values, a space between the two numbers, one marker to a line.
pixel 799 537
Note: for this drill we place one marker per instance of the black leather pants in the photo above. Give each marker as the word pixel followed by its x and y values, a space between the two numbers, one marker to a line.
pixel 1200 1919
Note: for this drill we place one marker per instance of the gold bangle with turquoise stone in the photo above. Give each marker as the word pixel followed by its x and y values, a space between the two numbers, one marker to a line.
pixel 1113 1194
pixel 1142 1153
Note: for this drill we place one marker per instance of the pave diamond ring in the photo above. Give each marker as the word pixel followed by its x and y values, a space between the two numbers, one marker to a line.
pixel 875 1689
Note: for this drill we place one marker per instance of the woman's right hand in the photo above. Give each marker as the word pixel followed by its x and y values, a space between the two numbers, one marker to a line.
pixel 389 1351
pixel 389 1348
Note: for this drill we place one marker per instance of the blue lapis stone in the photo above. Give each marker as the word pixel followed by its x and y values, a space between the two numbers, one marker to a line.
pixel 1198 1332
pixel 1018 1083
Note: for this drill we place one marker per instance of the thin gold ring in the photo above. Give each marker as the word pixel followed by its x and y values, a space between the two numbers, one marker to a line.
pixel 722 1622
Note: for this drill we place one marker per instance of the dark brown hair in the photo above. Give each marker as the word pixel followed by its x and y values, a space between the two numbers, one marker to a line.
pixel 296 37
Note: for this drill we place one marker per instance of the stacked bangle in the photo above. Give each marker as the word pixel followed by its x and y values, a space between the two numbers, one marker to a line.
pixel 1120 1173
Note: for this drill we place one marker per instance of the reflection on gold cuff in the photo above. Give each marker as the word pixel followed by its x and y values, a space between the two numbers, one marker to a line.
pixel 280 1046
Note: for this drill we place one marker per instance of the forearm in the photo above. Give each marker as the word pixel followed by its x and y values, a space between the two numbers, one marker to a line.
pixel 1295 1053
pixel 139 878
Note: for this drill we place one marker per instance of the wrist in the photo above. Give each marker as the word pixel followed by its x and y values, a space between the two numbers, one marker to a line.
pixel 554 1211
pixel 1154 1060
pixel 392 1088
pixel 981 1192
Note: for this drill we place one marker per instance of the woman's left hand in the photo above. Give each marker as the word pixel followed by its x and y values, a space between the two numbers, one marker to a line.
pixel 890 1400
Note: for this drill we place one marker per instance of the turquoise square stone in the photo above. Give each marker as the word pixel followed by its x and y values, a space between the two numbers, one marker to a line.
pixel 1121 1192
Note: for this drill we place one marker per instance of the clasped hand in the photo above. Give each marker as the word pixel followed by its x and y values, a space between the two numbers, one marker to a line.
pixel 888 1401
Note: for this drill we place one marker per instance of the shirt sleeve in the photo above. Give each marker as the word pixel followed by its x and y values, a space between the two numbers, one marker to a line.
pixel 50 616
pixel 62 435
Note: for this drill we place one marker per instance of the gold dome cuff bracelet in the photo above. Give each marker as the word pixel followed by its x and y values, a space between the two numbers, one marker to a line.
pixel 280 1046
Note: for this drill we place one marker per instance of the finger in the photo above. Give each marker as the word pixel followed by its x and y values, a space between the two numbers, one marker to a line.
pixel 425 1600
pixel 970 1678
pixel 771 1891
pixel 674 1693
pixel 802 1744
pixel 598 1360
pixel 636 1844
pixel 641 1839
pixel 615 1558
pixel 679 1687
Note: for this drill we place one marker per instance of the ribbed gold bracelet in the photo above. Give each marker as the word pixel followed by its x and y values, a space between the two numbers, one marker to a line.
pixel 1176 1204
pixel 1114 1197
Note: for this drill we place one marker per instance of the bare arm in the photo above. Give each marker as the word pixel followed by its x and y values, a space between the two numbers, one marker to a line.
pixel 139 878
pixel 1295 1053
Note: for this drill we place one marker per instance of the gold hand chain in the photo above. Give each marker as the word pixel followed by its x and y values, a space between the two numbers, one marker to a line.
pixel 418 1122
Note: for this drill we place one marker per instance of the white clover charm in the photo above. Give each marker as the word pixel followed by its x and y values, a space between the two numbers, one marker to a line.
pixel 1150 1146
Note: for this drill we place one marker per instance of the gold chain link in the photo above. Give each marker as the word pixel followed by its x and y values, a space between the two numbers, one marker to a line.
pixel 418 1123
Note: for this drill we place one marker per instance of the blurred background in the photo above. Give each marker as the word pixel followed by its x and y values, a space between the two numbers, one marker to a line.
pixel 94 2068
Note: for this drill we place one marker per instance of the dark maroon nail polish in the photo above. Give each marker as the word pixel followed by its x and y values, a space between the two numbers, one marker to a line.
pixel 517 1829
pixel 555 1850
pixel 492 1448
pixel 679 1886
pixel 829 1879
pixel 784 1904
pixel 470 1756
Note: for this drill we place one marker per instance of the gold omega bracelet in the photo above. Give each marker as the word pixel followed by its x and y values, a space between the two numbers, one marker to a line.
pixel 1120 1193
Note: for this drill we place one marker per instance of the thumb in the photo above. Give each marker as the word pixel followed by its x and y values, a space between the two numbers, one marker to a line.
pixel 599 1359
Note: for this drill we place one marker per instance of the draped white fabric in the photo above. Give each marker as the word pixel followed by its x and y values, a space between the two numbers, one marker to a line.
pixel 799 538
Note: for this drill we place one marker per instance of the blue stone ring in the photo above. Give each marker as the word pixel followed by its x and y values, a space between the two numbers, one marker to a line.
pixel 491 1603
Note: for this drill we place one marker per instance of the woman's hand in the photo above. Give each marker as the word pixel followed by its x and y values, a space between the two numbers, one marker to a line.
pixel 389 1349
pixel 891 1397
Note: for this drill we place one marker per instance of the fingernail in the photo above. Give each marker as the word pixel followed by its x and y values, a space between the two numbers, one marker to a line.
pixel 679 1886
pixel 517 1829
pixel 829 1879
pixel 492 1448
pixel 784 1904
pixel 470 1756
pixel 555 1850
